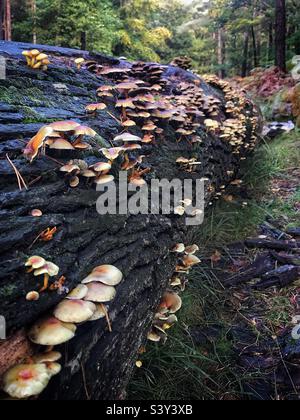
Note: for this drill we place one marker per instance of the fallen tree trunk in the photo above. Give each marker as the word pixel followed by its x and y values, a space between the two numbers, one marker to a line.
pixel 98 364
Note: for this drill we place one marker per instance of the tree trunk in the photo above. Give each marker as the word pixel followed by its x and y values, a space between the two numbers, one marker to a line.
pixel 221 53
pixel 33 13
pixel 245 55
pixel 280 35
pixel 7 20
pixel 271 42
pixel 255 57
pixel 96 364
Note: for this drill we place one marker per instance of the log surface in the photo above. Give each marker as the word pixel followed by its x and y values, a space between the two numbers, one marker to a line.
pixel 96 364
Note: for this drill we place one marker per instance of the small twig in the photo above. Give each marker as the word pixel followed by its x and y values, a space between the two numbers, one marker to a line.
pixel 112 116
pixel 54 160
pixel 107 317
pixel 84 382
pixel 18 175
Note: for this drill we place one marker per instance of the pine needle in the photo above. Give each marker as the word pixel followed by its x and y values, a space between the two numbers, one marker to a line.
pixel 18 175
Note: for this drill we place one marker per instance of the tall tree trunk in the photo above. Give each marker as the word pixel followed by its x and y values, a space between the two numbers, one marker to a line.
pixel 2 35
pixel 7 20
pixel 83 41
pixel 33 13
pixel 245 55
pixel 221 53
pixel 270 42
pixel 280 34
pixel 255 59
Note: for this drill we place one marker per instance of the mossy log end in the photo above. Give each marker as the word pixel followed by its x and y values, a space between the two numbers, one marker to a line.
pixel 96 364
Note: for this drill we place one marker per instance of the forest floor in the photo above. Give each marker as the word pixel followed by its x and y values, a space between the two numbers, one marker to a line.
pixel 206 354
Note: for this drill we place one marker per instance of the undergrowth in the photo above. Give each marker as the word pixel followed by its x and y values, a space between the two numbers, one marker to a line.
pixel 180 369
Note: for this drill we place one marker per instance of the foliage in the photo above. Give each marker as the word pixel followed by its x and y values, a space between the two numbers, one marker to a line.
pixel 159 30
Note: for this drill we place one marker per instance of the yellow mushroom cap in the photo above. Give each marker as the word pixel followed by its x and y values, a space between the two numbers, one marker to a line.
pixel 35 262
pixel 48 268
pixel 79 60
pixel 34 53
pixel 51 332
pixel 107 274
pixel 41 57
pixel 78 293
pixel 24 381
pixel 100 293
pixel 76 311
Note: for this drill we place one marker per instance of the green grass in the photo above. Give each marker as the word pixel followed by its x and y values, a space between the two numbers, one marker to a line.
pixel 180 369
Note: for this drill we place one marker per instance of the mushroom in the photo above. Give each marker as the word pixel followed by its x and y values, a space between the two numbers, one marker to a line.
pixel 61 144
pixel 74 311
pixel 93 108
pixel 153 336
pixel 191 260
pixel 179 248
pixel 171 302
pixel 104 179
pixel 51 332
pixel 24 381
pixel 34 145
pixel 35 262
pixel 113 153
pixel 100 293
pixel 36 213
pixel 64 126
pixel 82 131
pixel 101 312
pixel 79 62
pixel 101 167
pixel 192 249
pixel 48 357
pixel 49 270
pixel 32 296
pixel 78 293
pixel 107 274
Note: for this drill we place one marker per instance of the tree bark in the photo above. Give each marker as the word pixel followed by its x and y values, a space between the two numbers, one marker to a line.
pixel 280 34
pixel 96 364
pixel 245 55
pixel 221 53
pixel 7 20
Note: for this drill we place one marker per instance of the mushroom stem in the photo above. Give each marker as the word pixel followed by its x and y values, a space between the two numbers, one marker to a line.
pixel 78 140
pixel 107 317
pixel 46 283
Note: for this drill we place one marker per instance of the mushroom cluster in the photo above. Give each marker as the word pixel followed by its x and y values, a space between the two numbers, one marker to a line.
pixel 87 302
pixel 60 135
pixel 39 266
pixel 183 62
pixel 36 59
pixel 97 173
pixel 171 302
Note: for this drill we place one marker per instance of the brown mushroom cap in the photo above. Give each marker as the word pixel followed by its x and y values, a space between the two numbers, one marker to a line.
pixel 64 126
pixel 100 293
pixel 107 274
pixel 61 144
pixel 74 311
pixel 101 167
pixel 171 301
pixel 74 182
pixel 95 107
pixel 82 130
pixel 51 332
